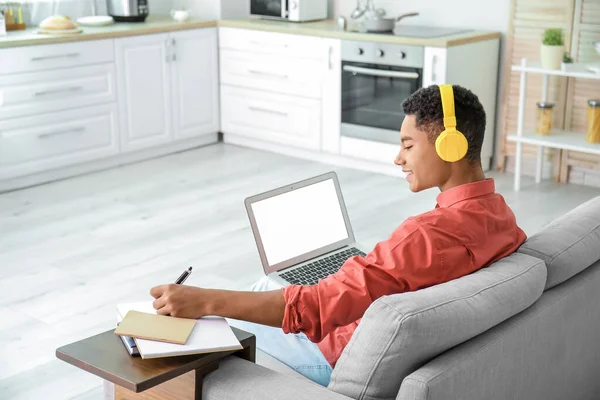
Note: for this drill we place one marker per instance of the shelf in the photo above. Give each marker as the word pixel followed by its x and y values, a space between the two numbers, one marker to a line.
pixel 565 140
pixel 575 70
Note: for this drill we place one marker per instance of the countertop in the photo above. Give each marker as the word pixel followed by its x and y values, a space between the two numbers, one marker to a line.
pixel 153 24
pixel 328 28
pixel 159 24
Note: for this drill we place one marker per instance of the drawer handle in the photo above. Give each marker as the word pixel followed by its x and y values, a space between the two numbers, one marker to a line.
pixel 263 73
pixel 55 91
pixel 69 55
pixel 268 44
pixel 266 110
pixel 80 129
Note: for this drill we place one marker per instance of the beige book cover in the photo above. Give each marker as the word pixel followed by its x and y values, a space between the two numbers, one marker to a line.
pixel 161 328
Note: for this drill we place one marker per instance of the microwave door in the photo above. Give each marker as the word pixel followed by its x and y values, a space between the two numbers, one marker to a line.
pixel 268 8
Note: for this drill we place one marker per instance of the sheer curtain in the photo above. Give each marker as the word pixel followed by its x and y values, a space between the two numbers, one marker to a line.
pixel 37 10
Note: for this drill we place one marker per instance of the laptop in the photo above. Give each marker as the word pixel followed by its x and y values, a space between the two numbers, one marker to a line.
pixel 302 230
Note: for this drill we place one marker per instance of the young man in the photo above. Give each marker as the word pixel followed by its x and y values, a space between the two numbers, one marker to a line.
pixel 470 227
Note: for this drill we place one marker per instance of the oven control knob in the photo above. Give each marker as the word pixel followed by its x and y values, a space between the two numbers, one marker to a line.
pixel 380 53
pixel 360 51
pixel 402 55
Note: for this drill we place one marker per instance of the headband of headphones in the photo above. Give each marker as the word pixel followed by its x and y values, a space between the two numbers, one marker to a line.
pixel 451 145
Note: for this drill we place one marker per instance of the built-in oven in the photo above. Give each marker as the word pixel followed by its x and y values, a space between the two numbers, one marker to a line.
pixel 376 78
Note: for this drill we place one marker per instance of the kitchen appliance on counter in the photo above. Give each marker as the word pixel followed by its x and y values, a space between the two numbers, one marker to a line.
pixel 128 10
pixel 376 78
pixel 289 10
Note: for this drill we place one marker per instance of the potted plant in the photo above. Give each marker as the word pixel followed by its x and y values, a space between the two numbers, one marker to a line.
pixel 552 49
pixel 567 63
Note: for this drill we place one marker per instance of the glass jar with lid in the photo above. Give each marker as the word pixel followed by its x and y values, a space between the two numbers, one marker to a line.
pixel 544 118
pixel 593 117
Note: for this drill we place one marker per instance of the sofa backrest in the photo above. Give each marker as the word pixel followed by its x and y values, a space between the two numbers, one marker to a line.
pixel 401 332
pixel 569 244
pixel 549 351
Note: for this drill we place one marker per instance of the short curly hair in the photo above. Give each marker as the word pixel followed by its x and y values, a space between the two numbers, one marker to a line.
pixel 426 105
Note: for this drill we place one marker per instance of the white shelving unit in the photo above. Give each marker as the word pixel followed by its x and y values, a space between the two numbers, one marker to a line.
pixel 558 139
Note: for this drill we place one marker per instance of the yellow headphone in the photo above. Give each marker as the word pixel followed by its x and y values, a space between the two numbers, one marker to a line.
pixel 451 145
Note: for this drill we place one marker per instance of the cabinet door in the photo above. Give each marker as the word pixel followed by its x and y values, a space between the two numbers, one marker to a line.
pixel 143 90
pixel 271 117
pixel 194 82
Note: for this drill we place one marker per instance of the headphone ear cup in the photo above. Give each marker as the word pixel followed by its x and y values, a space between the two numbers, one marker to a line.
pixel 451 146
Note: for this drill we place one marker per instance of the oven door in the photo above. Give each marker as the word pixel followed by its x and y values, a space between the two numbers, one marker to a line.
pixel 372 95
pixel 269 8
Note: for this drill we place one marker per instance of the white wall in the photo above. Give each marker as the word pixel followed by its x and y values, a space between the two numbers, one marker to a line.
pixel 474 14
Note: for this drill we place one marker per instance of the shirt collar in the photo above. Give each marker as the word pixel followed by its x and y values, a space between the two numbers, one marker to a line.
pixel 466 191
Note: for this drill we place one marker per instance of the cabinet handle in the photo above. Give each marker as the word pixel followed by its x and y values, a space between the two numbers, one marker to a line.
pixel 69 55
pixel 433 67
pixel 263 73
pixel 80 129
pixel 174 51
pixel 55 91
pixel 380 72
pixel 268 44
pixel 266 110
pixel 330 61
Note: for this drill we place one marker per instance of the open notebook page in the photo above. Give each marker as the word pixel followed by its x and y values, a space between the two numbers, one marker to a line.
pixel 210 334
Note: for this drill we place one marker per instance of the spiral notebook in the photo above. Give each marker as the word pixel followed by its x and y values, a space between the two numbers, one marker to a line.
pixel 210 334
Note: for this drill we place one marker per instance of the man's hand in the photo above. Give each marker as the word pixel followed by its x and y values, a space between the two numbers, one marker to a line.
pixel 180 301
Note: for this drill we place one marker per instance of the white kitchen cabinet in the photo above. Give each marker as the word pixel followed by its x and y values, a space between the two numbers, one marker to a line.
pixel 434 66
pixel 272 87
pixel 331 97
pixel 143 90
pixel 168 87
pixel 54 56
pixel 41 92
pixel 271 117
pixel 59 139
pixel 194 82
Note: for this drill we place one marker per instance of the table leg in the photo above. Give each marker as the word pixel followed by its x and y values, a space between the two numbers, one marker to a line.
pixel 184 387
pixel 540 164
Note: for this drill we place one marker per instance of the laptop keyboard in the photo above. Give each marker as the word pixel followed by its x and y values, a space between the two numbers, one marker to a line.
pixel 313 272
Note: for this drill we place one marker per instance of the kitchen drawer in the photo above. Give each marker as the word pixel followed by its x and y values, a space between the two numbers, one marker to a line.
pixel 29 145
pixel 276 118
pixel 52 56
pixel 298 46
pixel 300 77
pixel 41 92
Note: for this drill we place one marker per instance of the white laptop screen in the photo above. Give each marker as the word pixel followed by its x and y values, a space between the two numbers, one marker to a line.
pixel 299 221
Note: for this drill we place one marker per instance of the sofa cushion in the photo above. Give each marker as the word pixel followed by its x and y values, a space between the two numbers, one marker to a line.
pixel 401 332
pixel 569 244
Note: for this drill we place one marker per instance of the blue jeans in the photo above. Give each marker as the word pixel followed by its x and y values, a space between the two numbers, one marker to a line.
pixel 294 350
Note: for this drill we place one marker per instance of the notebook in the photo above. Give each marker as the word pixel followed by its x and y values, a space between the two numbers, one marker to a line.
pixel 210 334
pixel 141 325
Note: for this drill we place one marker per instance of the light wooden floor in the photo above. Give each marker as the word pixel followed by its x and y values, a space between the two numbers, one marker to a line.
pixel 71 250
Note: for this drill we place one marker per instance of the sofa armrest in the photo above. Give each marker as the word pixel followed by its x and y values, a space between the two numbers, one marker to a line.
pixel 240 379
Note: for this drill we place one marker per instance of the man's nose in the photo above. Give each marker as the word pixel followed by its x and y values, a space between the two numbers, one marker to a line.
pixel 399 159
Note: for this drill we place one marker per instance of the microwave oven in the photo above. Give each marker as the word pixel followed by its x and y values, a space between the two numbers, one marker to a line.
pixel 290 10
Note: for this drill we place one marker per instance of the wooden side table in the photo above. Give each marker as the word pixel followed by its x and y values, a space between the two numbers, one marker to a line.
pixel 161 378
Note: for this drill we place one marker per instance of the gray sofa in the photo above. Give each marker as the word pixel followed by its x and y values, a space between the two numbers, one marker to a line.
pixel 526 327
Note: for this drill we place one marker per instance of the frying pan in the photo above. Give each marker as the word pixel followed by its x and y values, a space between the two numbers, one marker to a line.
pixel 379 24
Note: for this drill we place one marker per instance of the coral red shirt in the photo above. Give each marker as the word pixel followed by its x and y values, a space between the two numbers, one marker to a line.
pixel 470 227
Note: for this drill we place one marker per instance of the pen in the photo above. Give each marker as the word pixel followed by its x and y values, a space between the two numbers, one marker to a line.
pixel 183 276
